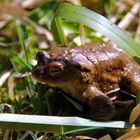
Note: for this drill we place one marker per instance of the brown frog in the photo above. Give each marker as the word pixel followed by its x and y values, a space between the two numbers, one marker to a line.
pixel 89 73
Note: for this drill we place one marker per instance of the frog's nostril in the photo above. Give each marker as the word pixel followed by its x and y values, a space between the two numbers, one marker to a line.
pixel 55 68
pixel 42 57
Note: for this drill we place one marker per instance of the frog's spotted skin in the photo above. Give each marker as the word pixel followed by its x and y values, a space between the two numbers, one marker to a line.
pixel 89 73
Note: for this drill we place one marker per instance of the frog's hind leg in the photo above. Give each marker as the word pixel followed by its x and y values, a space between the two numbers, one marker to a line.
pixel 102 107
pixel 131 78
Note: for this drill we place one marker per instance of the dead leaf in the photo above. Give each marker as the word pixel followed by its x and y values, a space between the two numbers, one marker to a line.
pixel 131 135
pixel 12 10
pixel 134 114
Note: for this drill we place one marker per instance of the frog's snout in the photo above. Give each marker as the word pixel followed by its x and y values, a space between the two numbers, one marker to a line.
pixel 37 72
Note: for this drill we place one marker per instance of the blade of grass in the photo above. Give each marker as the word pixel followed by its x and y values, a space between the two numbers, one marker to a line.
pixel 33 135
pixel 57 29
pixel 13 64
pixel 25 63
pixel 99 23
pixel 20 35
pixel 62 132
pixel 137 102
pixel 29 87
pixel 16 60
pixel 82 33
pixel 48 106
pixel 84 129
pixel 54 123
pixel 138 98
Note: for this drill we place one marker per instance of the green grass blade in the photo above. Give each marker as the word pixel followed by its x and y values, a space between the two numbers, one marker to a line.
pixel 29 87
pixel 54 123
pixel 84 130
pixel 21 39
pixel 138 98
pixel 57 30
pixel 25 63
pixel 99 23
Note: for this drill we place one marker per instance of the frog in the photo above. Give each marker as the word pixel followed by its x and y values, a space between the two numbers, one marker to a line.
pixel 89 73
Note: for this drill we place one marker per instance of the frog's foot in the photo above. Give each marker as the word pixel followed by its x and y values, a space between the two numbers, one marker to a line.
pixel 131 78
pixel 123 109
pixel 102 108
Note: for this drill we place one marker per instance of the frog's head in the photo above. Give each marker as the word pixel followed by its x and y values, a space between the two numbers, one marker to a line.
pixel 56 68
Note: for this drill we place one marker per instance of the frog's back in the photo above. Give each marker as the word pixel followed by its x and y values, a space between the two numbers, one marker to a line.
pixel 100 56
pixel 108 65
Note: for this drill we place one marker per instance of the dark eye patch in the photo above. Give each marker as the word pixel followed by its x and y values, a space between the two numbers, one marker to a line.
pixel 77 65
pixel 58 60
pixel 73 63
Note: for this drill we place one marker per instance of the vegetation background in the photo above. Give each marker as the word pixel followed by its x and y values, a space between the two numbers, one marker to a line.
pixel 25 30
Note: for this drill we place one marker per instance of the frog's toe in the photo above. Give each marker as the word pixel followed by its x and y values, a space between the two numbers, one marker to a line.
pixel 102 108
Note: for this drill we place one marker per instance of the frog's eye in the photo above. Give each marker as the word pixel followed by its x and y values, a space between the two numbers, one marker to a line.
pixel 41 71
pixel 55 68
pixel 42 58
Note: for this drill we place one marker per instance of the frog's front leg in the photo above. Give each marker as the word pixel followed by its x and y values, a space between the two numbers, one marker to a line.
pixel 102 107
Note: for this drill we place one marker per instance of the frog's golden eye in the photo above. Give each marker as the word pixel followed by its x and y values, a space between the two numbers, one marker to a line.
pixel 41 71
pixel 55 68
